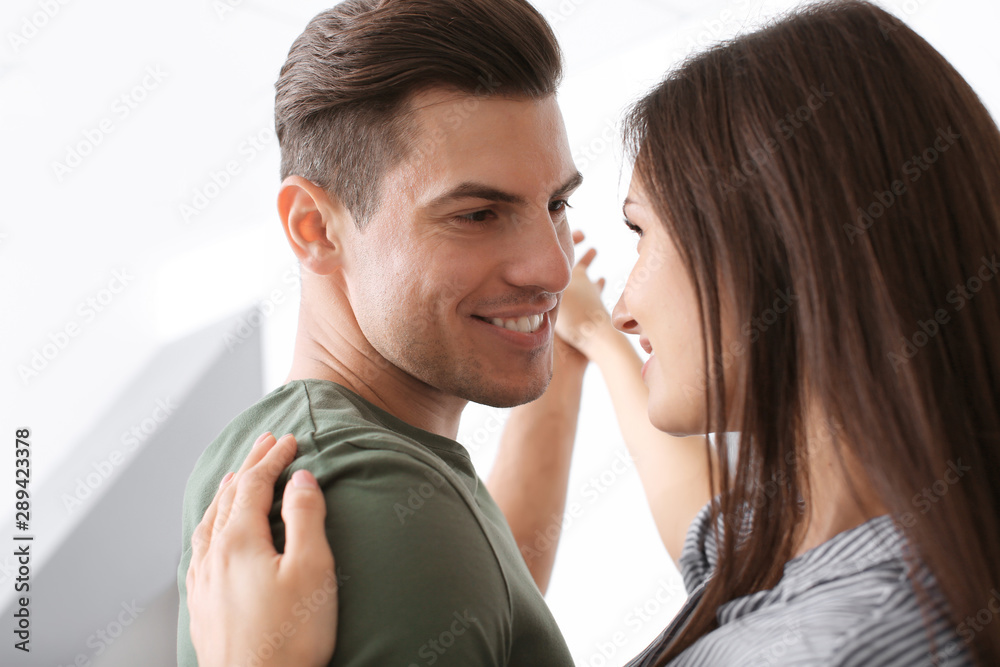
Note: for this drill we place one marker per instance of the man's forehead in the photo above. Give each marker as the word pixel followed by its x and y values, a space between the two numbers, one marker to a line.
pixel 462 143
pixel 437 115
pixel 429 98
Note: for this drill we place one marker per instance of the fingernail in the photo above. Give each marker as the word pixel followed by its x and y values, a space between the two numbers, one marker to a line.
pixel 229 476
pixel 304 478
pixel 262 438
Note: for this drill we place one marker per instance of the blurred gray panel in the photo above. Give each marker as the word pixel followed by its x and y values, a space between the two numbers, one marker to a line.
pixel 115 560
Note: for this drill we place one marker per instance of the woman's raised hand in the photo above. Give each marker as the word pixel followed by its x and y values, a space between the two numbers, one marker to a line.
pixel 582 315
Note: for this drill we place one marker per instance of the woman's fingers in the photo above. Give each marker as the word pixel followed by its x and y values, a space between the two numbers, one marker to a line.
pixel 217 514
pixel 203 532
pixel 255 488
pixel 200 539
pixel 587 258
pixel 261 447
pixel 240 589
pixel 303 509
pixel 227 495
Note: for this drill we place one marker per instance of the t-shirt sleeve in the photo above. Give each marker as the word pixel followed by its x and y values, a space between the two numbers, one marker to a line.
pixel 420 582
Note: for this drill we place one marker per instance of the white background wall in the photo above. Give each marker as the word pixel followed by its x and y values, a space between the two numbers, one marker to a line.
pixel 158 97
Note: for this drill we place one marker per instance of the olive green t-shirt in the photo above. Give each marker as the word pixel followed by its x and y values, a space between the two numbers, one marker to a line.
pixel 429 571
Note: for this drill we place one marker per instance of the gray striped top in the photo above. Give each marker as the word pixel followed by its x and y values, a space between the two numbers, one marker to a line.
pixel 845 603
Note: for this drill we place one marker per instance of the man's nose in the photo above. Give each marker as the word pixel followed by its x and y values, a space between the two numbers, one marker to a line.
pixel 544 255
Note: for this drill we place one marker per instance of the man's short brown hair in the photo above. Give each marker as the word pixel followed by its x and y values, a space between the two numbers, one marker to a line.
pixel 341 109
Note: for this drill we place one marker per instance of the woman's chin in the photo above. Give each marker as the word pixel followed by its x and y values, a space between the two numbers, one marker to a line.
pixel 673 423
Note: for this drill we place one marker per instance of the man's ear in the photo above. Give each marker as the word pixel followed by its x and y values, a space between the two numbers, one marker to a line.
pixel 314 224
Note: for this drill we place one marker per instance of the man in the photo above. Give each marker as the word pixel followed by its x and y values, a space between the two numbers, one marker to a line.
pixel 425 175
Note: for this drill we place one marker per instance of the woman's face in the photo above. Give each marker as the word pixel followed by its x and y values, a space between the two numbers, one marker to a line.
pixel 659 305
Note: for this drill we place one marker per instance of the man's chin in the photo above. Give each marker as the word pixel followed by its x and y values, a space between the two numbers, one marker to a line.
pixel 503 394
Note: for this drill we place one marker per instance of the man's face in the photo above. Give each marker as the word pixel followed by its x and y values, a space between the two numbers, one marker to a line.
pixel 471 227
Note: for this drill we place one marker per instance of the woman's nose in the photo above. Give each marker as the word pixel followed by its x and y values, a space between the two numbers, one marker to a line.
pixel 622 319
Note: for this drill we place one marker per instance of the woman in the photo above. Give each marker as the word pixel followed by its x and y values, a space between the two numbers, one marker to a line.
pixel 818 209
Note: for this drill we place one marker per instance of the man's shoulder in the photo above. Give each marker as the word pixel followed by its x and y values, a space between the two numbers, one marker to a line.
pixel 340 437
pixel 347 436
pixel 330 423
pixel 414 551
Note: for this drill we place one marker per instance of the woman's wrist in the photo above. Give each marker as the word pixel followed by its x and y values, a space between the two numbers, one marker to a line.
pixel 607 346
pixel 567 359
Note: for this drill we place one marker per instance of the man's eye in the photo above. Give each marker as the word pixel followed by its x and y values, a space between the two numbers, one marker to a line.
pixel 559 205
pixel 476 217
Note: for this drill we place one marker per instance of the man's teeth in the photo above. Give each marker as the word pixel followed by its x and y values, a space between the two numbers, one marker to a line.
pixel 528 324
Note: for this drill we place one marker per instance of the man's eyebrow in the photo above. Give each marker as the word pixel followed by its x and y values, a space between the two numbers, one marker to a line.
pixel 473 190
pixel 572 184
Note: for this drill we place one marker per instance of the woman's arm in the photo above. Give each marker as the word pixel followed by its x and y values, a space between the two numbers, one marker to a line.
pixel 240 591
pixel 673 470
pixel 529 477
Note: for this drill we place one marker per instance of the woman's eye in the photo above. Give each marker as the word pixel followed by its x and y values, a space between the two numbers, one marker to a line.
pixel 634 228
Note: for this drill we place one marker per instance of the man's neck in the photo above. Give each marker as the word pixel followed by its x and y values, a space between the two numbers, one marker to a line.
pixel 325 352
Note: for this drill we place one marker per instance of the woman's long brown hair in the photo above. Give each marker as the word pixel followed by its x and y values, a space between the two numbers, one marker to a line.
pixel 835 156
